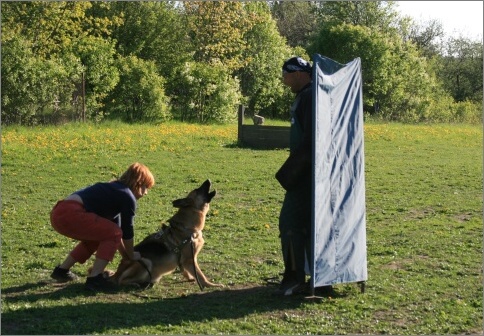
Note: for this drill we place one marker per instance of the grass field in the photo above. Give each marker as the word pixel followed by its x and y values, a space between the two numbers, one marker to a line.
pixel 424 233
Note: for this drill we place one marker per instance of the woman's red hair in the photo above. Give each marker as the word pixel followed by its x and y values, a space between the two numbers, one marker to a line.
pixel 136 176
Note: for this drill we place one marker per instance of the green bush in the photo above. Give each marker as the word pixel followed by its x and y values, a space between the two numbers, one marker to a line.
pixel 35 89
pixel 468 112
pixel 139 94
pixel 205 93
pixel 97 56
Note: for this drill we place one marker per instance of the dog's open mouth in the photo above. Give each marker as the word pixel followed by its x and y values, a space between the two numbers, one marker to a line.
pixel 205 190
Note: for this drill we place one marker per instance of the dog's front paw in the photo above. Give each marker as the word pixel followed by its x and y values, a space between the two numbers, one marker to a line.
pixel 188 277
pixel 211 284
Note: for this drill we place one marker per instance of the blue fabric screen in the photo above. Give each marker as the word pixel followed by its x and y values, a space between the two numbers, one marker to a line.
pixel 339 214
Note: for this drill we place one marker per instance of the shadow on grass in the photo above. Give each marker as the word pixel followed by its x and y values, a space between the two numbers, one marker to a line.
pixel 241 145
pixel 25 287
pixel 124 309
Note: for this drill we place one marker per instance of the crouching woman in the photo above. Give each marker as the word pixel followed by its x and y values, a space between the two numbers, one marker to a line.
pixel 101 218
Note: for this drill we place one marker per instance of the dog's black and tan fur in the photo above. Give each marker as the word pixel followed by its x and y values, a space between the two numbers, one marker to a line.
pixel 176 245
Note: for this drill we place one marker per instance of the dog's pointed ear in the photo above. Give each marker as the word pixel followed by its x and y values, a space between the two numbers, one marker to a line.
pixel 211 195
pixel 182 203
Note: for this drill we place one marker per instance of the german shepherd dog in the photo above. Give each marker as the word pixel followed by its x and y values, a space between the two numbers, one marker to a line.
pixel 175 245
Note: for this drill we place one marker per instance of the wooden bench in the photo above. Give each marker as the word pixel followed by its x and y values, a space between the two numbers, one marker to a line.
pixel 261 136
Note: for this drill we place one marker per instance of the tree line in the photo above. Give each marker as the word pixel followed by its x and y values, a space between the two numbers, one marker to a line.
pixel 197 61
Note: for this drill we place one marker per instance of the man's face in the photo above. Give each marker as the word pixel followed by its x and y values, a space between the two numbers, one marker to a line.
pixel 290 79
pixel 295 80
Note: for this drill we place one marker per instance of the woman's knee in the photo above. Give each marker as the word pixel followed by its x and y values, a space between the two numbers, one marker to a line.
pixel 107 249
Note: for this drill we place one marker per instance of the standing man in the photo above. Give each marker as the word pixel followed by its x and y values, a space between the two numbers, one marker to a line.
pixel 295 177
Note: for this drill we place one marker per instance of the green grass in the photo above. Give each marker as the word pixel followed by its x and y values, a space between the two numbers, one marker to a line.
pixel 424 233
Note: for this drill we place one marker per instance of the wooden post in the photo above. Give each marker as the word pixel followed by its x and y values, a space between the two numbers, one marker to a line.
pixel 83 97
pixel 240 122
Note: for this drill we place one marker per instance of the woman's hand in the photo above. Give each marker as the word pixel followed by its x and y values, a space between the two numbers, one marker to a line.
pixel 127 251
pixel 136 256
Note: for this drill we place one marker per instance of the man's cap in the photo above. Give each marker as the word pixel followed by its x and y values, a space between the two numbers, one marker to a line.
pixel 297 64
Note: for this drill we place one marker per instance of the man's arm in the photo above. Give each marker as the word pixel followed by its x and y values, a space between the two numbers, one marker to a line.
pixel 298 164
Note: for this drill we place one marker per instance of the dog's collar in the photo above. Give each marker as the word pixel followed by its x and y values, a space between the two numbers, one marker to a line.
pixel 180 228
pixel 171 245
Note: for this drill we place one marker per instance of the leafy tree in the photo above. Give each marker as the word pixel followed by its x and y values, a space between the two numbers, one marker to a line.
pixel 296 20
pixel 209 56
pixel 427 37
pixel 216 30
pixel 261 76
pixel 58 40
pixel 461 69
pixel 31 86
pixel 207 93
pixel 52 26
pixel 377 15
pixel 153 31
pixel 97 56
pixel 139 94
pixel 396 82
